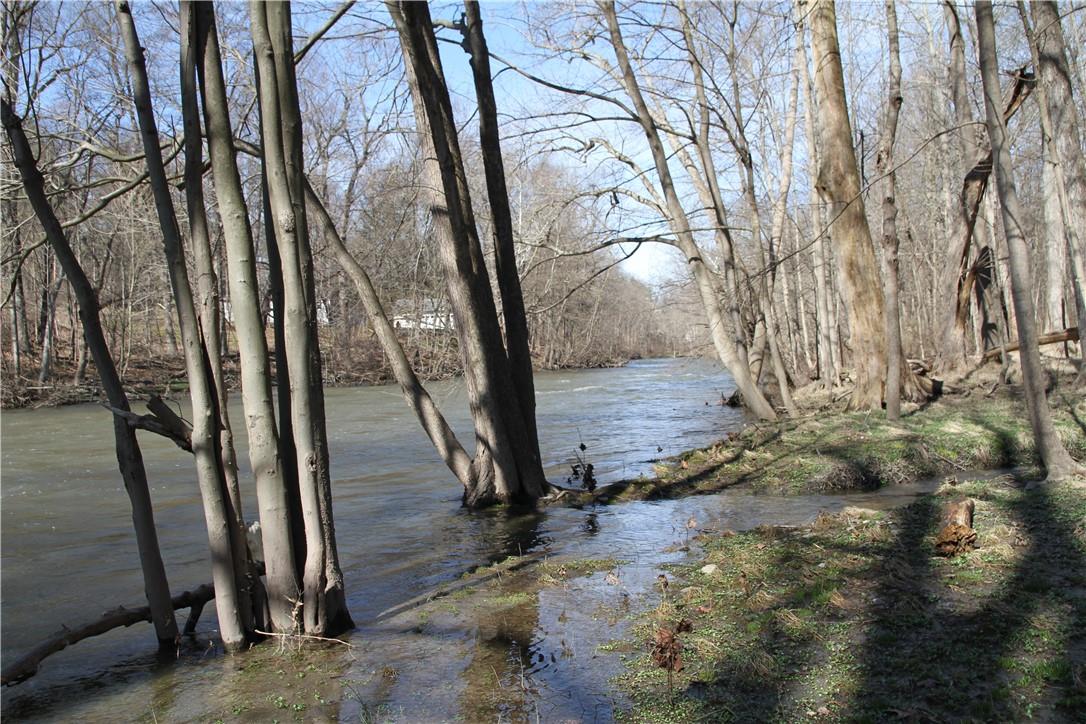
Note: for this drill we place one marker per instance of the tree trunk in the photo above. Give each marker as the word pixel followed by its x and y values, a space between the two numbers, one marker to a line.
pixel 324 608
pixel 1066 135
pixel 205 438
pixel 890 243
pixel 208 309
pixel 516 322
pixel 264 458
pixel 839 187
pixel 506 469
pixel 129 457
pixel 1056 460
pixel 827 321
pixel 727 347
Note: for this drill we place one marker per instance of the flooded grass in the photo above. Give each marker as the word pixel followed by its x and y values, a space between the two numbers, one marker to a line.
pixel 856 619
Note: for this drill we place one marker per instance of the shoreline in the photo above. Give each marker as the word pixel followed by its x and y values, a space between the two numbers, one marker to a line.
pixel 163 376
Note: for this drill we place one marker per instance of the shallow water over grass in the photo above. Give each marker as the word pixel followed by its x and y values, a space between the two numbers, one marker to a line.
pixel 536 642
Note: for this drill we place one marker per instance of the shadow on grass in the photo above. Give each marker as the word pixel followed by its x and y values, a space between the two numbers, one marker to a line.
pixel 977 648
pixel 861 621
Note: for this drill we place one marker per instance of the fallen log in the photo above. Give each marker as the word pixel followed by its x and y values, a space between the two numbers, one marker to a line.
pixel 121 617
pixel 1068 335
pixel 957 534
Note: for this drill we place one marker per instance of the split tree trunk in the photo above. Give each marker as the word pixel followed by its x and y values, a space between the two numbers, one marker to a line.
pixel 505 261
pixel 205 427
pixel 324 609
pixel 272 500
pixel 507 469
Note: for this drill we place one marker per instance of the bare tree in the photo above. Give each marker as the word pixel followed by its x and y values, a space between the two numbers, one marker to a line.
pixel 726 346
pixel 1063 149
pixel 129 457
pixel 324 602
pixel 890 241
pixel 221 522
pixel 507 469
pixel 282 580
pixel 1057 462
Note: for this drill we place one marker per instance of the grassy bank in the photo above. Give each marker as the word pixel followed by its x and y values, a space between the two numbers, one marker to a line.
pixel 855 618
pixel 838 451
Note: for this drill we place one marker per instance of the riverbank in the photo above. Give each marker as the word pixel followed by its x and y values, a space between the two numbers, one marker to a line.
pixel 855 617
pixel 166 376
pixel 831 451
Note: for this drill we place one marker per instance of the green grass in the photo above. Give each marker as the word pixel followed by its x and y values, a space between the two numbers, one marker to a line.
pixel 839 451
pixel 856 619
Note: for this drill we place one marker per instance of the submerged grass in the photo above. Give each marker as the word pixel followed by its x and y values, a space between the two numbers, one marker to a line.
pixel 827 452
pixel 855 619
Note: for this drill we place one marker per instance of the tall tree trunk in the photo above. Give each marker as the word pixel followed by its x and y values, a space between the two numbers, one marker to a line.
pixel 827 320
pixel 1057 462
pixel 506 469
pixel 271 491
pixel 890 242
pixel 727 347
pixel 1067 137
pixel 839 186
pixel 209 309
pixel 324 609
pixel 129 457
pixel 516 322
pixel 205 428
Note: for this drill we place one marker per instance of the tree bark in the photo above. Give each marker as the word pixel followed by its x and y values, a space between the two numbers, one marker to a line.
pixel 129 457
pixel 208 309
pixel 839 187
pixel 827 321
pixel 1057 462
pixel 890 243
pixel 324 608
pixel 205 439
pixel 506 469
pixel 264 457
pixel 505 261
pixel 1067 137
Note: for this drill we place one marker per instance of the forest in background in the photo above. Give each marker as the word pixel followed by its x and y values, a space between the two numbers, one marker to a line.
pixel 583 187
pixel 903 224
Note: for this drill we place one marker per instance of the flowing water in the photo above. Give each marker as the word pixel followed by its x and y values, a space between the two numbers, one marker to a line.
pixel 68 552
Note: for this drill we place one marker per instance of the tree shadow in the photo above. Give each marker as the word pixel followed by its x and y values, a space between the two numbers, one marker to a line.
pixel 959 655
pixel 869 624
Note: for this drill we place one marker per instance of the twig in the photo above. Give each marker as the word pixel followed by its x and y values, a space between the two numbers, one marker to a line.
pixel 308 637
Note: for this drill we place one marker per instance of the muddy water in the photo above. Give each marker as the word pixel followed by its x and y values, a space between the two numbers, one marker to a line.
pixel 68 555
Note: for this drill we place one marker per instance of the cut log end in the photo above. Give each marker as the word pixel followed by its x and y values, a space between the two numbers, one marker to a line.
pixel 957 535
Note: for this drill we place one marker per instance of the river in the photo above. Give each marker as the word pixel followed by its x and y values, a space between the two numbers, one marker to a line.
pixel 68 550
